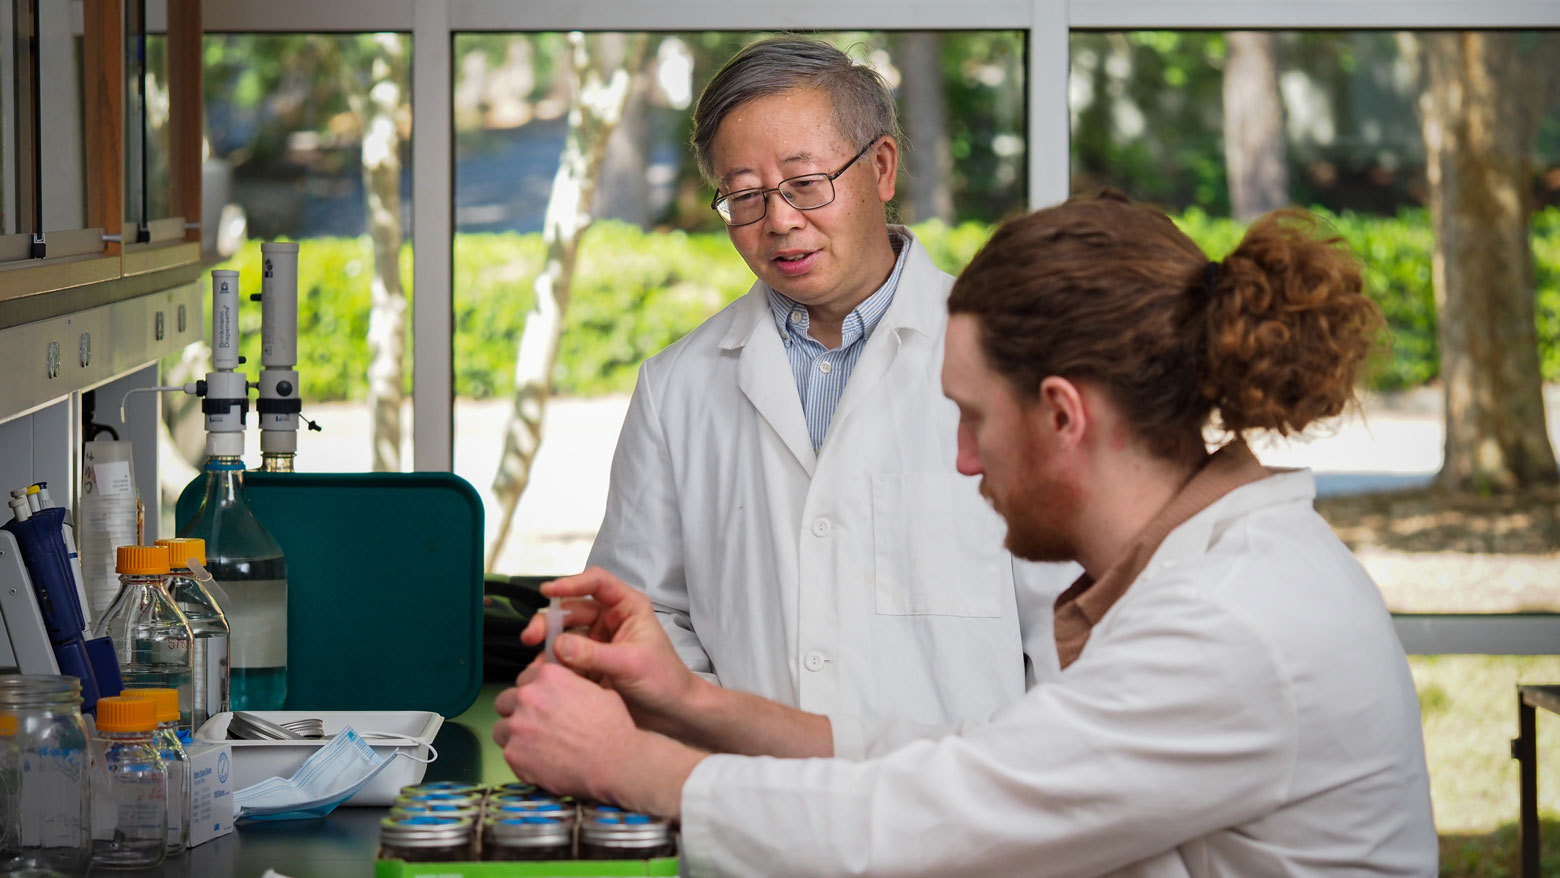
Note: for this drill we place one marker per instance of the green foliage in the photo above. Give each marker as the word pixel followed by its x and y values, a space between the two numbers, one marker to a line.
pixel 637 292
pixel 952 247
pixel 633 294
pixel 1147 115
pixel 1546 285
pixel 984 72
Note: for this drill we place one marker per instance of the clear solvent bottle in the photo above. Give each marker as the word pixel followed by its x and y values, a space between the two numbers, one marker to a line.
pixel 175 760
pixel 151 636
pixel 204 605
pixel 132 784
pixel 248 564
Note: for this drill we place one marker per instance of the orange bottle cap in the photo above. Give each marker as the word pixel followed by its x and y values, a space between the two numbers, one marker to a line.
pixel 182 549
pixel 142 560
pixel 165 700
pixel 121 714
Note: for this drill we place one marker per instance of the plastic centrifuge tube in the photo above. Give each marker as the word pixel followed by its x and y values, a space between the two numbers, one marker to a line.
pixel 554 625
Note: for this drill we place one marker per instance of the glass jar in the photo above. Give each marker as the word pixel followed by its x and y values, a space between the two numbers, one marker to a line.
pixel 626 836
pixel 203 603
pixel 528 839
pixel 151 636
pixel 175 760
pixel 456 787
pixel 44 765
pixel 426 839
pixel 131 784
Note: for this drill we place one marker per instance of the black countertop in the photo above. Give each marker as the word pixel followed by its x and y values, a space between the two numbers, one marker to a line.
pixel 342 844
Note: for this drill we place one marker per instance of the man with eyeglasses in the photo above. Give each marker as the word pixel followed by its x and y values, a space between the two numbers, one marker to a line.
pixel 784 486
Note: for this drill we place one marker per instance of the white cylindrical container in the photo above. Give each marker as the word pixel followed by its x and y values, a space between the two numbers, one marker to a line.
pixel 224 319
pixel 279 305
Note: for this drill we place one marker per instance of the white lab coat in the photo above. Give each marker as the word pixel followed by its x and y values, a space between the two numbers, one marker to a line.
pixel 867 579
pixel 1244 709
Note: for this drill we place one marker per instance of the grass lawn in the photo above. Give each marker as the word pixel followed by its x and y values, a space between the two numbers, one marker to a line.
pixel 1469 706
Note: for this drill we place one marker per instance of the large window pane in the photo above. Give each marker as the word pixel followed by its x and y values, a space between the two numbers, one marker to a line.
pixel 657 260
pixel 1218 127
pixel 61 158
pixel 8 120
pixel 308 139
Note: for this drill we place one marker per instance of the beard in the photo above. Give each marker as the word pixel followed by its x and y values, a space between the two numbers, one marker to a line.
pixel 1038 507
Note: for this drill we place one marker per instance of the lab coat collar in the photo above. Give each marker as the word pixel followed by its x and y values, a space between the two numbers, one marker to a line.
pixel 923 314
pixel 1194 538
pixel 770 386
pixel 1081 607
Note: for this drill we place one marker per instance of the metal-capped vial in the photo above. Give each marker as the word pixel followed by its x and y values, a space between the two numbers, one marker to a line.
pixel 530 808
pixel 439 798
pixel 528 838
pixel 426 838
pixel 626 836
pixel 418 809
pixel 445 786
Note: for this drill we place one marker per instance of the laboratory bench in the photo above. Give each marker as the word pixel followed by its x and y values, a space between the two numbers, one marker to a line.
pixel 342 844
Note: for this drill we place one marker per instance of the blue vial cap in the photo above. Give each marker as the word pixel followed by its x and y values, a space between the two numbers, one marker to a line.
pixel 546 820
pixel 424 820
pixel 636 818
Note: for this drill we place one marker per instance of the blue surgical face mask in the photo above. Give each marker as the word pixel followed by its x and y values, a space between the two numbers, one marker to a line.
pixel 331 776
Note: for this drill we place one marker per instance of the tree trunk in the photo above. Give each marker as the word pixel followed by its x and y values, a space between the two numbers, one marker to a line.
pixel 382 189
pixel 1480 118
pixel 1255 154
pixel 603 68
pixel 624 190
pixel 929 155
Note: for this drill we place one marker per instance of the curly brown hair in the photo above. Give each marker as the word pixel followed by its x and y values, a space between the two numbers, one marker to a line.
pixel 1103 290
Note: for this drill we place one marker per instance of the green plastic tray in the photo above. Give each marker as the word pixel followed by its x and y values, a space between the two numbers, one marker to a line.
pixel 384 586
pixel 660 866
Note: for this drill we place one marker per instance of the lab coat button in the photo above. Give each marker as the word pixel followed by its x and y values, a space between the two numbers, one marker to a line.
pixel 813 661
pixel 821 527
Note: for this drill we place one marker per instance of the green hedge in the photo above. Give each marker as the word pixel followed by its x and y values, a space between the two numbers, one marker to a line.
pixel 636 292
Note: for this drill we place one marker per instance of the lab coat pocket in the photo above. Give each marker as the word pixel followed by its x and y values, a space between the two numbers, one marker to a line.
pixel 938 547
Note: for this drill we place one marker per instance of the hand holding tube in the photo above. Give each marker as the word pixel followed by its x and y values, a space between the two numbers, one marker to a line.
pixel 623 647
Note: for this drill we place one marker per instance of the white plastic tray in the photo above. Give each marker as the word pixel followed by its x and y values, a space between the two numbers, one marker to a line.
pixel 254 761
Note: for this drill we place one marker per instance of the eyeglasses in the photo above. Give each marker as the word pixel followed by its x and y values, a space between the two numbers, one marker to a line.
pixel 806 192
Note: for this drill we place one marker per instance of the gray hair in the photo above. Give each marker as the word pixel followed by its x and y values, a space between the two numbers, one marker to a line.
pixel 863 106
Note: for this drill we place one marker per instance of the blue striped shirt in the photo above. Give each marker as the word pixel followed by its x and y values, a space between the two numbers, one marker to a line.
pixel 821 374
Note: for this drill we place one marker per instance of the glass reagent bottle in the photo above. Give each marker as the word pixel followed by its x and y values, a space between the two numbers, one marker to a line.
pixel 248 564
pixel 204 605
